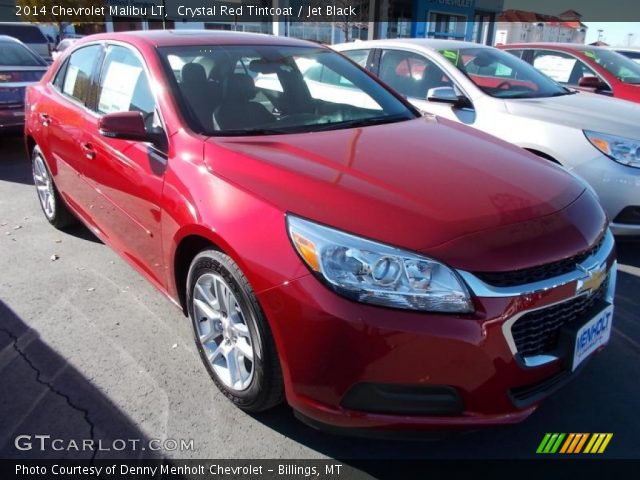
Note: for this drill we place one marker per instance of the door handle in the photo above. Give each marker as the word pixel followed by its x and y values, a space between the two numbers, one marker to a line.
pixel 88 150
pixel 45 119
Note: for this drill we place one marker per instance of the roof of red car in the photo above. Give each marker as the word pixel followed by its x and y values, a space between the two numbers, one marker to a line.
pixel 561 46
pixel 166 38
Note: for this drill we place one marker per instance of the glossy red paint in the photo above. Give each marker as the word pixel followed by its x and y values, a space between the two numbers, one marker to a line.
pixel 426 185
pixel 620 89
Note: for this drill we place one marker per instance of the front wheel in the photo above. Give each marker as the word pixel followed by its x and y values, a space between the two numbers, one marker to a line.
pixel 232 333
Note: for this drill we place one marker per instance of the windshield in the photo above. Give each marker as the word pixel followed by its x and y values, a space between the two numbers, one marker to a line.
pixel 259 90
pixel 618 65
pixel 15 55
pixel 501 74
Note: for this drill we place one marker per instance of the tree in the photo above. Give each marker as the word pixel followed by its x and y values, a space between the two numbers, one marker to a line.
pixel 344 19
pixel 41 11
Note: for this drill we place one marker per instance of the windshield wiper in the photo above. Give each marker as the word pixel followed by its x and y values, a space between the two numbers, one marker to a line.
pixel 356 123
pixel 317 127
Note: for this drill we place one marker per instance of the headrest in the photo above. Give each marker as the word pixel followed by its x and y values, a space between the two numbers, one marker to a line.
pixel 193 73
pixel 241 87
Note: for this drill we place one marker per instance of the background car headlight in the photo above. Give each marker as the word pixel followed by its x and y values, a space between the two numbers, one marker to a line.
pixel 623 150
pixel 371 272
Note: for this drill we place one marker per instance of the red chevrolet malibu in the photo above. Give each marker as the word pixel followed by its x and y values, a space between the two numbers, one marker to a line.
pixel 332 247
pixel 585 67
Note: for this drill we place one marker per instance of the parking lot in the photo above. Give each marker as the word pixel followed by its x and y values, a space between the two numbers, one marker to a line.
pixel 90 350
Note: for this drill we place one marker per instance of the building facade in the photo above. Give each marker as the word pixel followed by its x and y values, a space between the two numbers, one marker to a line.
pixel 471 20
pixel 517 26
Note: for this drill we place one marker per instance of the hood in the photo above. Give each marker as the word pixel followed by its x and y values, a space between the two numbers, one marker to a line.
pixel 588 111
pixel 415 184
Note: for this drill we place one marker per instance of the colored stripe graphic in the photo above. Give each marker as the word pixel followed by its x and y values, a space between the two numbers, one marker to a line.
pixel 573 443
pixel 543 443
pixel 581 442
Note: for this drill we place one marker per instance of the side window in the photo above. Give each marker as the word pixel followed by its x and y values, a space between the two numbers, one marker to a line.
pixel 561 67
pixel 124 86
pixel 411 74
pixel 58 80
pixel 358 56
pixel 516 52
pixel 78 73
pixel 480 66
pixel 318 72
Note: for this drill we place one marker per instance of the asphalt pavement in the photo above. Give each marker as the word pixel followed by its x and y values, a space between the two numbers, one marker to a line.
pixel 90 350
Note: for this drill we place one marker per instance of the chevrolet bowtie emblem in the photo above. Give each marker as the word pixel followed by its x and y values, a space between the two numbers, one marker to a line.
pixel 592 280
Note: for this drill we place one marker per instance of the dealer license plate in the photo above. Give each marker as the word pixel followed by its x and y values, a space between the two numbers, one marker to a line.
pixel 592 335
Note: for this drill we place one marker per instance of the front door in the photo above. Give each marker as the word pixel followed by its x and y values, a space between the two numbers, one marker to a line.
pixel 130 174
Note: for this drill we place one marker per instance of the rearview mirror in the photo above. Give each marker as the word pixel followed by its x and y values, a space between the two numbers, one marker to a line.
pixel 592 82
pixel 448 95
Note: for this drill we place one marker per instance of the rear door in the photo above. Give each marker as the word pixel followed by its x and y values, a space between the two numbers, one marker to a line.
pixel 128 175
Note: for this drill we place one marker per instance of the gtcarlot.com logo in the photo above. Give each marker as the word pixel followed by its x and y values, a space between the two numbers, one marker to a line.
pixel 574 443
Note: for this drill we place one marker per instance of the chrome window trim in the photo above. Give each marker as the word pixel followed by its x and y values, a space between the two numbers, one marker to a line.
pixel 482 289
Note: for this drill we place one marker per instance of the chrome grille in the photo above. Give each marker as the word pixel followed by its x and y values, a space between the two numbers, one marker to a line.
pixel 537 332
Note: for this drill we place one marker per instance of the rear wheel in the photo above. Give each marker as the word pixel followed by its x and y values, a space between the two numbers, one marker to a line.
pixel 232 333
pixel 53 207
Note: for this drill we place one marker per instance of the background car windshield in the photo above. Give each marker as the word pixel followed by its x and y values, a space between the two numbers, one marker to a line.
pixel 15 55
pixel 624 69
pixel 501 74
pixel 244 90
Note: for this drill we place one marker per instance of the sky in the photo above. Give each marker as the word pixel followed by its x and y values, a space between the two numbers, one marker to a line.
pixel 615 33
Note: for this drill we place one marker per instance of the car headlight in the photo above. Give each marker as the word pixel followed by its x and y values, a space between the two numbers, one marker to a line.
pixel 371 272
pixel 623 150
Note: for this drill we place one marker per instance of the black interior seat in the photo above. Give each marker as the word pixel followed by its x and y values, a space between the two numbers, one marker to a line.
pixel 202 96
pixel 238 110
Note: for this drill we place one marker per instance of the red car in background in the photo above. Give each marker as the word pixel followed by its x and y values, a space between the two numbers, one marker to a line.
pixel 374 267
pixel 594 69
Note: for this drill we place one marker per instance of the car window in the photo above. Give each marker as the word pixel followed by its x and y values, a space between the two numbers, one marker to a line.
pixel 411 74
pixel 16 55
pixel 618 65
pixel 501 75
pixel 24 33
pixel 58 79
pixel 358 56
pixel 124 86
pixel 321 73
pixel 272 89
pixel 516 52
pixel 560 66
pixel 80 68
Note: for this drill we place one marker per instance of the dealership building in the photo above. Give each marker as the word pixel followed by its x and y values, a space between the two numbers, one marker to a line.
pixel 472 20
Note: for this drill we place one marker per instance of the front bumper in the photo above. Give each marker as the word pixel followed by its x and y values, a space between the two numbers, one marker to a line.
pixel 330 346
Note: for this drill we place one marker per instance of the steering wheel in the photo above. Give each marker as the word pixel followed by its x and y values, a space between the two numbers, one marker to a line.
pixel 503 84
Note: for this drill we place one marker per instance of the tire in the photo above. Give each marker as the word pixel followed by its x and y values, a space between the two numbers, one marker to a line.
pixel 233 336
pixel 53 207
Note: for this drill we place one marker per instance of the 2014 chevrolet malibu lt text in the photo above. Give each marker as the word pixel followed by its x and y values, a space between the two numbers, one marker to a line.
pixel 373 267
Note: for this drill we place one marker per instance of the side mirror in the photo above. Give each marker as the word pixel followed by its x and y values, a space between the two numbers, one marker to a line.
pixel 124 125
pixel 592 82
pixel 448 95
